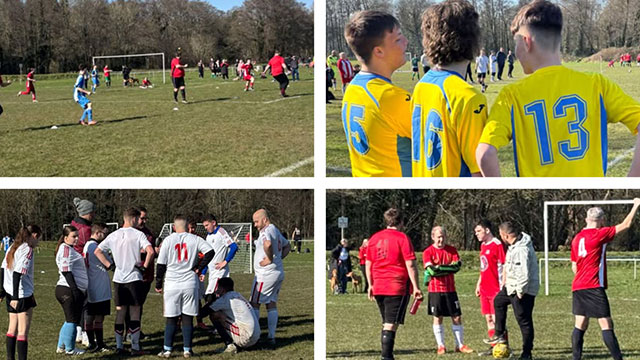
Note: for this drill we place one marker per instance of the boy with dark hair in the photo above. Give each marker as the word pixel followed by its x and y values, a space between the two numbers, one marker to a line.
pixel 556 117
pixel 448 113
pixel 98 291
pixel 376 113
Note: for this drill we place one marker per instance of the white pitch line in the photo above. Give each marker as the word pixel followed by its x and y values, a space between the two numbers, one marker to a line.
pixel 276 100
pixel 290 168
pixel 615 161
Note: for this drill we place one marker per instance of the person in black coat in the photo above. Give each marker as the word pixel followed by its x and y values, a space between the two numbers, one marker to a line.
pixel 501 57
pixel 340 254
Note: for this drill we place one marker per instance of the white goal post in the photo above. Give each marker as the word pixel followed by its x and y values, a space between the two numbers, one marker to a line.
pixel 164 80
pixel 239 232
pixel 546 227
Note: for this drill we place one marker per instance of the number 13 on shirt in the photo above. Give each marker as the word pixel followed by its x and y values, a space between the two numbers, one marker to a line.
pixel 352 121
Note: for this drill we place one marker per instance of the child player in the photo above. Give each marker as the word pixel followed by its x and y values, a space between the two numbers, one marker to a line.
pixel 95 80
pixel 79 97
pixel 246 75
pixel 31 87
pixel 441 262
pixel 107 76
pixel 448 113
pixel 556 117
pixel 375 113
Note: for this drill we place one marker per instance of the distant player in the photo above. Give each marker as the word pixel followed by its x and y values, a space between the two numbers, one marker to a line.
pixel 271 249
pixel 79 96
pixel 126 72
pixel 278 71
pixel 376 114
pixel 3 84
pixel 415 70
pixel 556 117
pixel 589 264
pixel 424 60
pixel 31 86
pixel 178 267
pixel 448 114
pixel 107 76
pixel 246 69
pixel 493 65
pixel 346 71
pixel 146 84
pixel 177 76
pixel 441 262
pixel 482 68
pixel 638 60
pixel 332 62
pixel 95 78
pixel 6 243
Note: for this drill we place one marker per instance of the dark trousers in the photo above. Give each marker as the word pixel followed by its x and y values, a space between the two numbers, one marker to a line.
pixel 523 310
pixel 343 270
pixel 510 70
pixel 363 268
pixel 468 73
pixel 299 245
pixel 500 70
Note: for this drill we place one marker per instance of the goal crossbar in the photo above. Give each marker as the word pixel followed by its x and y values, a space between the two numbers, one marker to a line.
pixel 93 60
pixel 546 227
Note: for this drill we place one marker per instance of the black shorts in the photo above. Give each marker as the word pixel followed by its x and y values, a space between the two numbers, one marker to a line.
pixel 72 307
pixel 392 308
pixel 146 286
pixel 444 304
pixel 482 75
pixel 415 69
pixel 592 303
pixel 99 308
pixel 177 82
pixel 24 304
pixel 425 68
pixel 129 294
pixel 283 79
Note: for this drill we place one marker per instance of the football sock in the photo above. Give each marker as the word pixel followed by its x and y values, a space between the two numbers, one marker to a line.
pixel 169 330
pixel 257 311
pixel 11 346
pixel 458 334
pixel 119 334
pixel 22 347
pixel 61 337
pixel 90 114
pixel 91 335
pixel 134 330
pixel 84 114
pixel 577 340
pixel 438 331
pixel 387 338
pixel 252 84
pixel 69 336
pixel 491 333
pixel 187 331
pixel 224 335
pixel 282 91
pixel 272 322
pixel 99 336
pixel 611 341
pixel 175 95
pixel 184 94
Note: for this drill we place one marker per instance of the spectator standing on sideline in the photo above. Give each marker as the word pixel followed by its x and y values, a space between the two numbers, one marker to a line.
pixel 493 63
pixel 424 60
pixel 510 59
pixel 200 69
pixel 341 254
pixel 294 65
pixel 296 236
pixel 501 57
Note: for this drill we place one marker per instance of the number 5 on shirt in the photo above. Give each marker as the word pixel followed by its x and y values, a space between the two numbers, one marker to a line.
pixel 356 137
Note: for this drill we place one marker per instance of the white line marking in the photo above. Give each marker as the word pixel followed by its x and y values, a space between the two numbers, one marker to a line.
pixel 620 157
pixel 276 100
pixel 290 168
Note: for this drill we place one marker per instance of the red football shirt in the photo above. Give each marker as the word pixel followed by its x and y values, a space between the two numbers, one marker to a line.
pixel 388 250
pixel 445 256
pixel 175 71
pixel 106 71
pixel 362 254
pixel 276 65
pixel 30 84
pixel 246 70
pixel 492 260
pixel 588 251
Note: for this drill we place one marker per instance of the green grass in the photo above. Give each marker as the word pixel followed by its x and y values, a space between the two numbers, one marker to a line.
pixel 223 131
pixel 620 140
pixel 354 315
pixel 294 333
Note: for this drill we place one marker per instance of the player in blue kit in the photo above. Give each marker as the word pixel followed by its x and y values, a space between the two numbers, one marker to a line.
pixel 79 97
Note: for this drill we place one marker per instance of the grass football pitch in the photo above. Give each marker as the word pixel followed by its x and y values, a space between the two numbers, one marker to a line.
pixel 621 141
pixel 354 323
pixel 222 131
pixel 294 333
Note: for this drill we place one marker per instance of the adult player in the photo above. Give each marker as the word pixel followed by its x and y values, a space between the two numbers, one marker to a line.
pixel 107 76
pixel 424 60
pixel 556 117
pixel 271 249
pixel 332 62
pixel 492 259
pixel 178 267
pixel 278 71
pixel 225 249
pixel 448 113
pixel 346 71
pixel 441 262
pixel 246 69
pixel 296 237
pixel 95 78
pixel 415 70
pixel 392 275
pixel 177 77
pixel 589 264
pixel 3 84
pixel 16 277
pixel 125 245
pixel 482 68
pixel 31 86
pixel 381 145
pixel 98 291
pixel 79 97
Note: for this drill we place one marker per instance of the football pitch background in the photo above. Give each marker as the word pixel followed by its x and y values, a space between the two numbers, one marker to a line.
pixel 222 131
pixel 354 322
pixel 294 334
pixel 621 141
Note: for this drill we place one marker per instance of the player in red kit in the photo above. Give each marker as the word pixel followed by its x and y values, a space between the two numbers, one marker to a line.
pixel 346 71
pixel 492 258
pixel 31 87
pixel 246 69
pixel 177 76
pixel 278 71
pixel 589 264
pixel 392 276
pixel 107 76
pixel 441 262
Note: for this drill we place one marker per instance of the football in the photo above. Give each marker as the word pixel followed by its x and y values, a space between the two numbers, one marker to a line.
pixel 501 351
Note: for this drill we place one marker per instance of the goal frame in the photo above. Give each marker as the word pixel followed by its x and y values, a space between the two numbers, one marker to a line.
pixel 546 227
pixel 164 78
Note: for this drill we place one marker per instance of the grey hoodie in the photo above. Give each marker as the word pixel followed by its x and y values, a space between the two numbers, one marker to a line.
pixel 522 268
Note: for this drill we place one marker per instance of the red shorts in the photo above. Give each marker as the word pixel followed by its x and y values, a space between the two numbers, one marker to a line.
pixel 486 305
pixel 248 78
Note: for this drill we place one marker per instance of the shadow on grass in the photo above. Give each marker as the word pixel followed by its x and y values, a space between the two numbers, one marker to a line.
pixel 587 353
pixel 113 121
pixel 373 353
pixel 209 100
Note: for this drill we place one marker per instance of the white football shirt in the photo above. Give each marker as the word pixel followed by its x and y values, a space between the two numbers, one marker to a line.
pixel 482 63
pixel 237 309
pixel 22 263
pixel 220 242
pixel 179 252
pixel 278 242
pixel 68 259
pixel 125 245
pixel 99 282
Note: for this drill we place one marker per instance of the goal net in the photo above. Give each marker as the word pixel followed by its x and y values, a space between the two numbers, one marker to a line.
pixel 241 235
pixel 150 65
pixel 579 215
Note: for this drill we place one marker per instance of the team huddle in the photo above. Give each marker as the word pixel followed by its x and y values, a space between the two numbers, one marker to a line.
pixel 556 117
pixel 506 278
pixel 85 254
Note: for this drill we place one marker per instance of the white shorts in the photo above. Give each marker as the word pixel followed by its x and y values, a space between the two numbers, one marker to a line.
pixel 212 285
pixel 265 288
pixel 242 334
pixel 180 301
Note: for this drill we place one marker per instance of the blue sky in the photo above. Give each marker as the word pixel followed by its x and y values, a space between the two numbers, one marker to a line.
pixel 225 5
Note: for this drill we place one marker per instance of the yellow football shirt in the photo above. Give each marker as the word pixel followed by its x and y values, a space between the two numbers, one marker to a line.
pixel 448 116
pixel 376 117
pixel 557 119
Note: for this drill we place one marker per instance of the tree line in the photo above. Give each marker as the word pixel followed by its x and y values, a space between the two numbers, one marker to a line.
pixel 58 35
pixel 589 25
pixel 460 210
pixel 50 209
